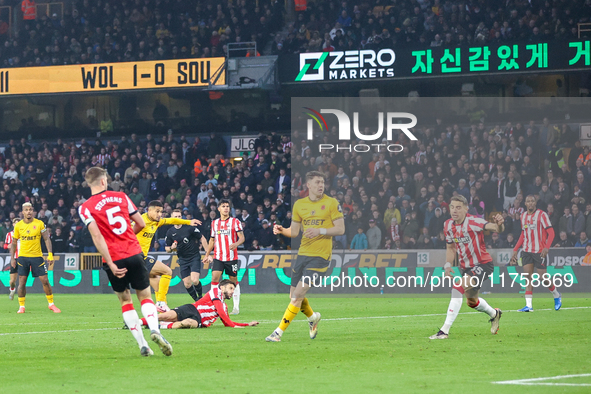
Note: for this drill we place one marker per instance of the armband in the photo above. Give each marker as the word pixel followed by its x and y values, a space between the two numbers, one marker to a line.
pixel 50 256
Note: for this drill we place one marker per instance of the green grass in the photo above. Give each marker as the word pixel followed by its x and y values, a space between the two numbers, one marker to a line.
pixel 379 345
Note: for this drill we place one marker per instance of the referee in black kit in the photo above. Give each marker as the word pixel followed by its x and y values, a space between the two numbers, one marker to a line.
pixel 184 240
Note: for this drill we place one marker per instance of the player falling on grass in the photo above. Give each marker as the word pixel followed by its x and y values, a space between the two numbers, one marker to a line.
pixel 464 236
pixel 320 217
pixel 204 312
pixel 226 236
pixel 184 240
pixel 13 270
pixel 107 215
pixel 536 237
pixel 160 273
pixel 30 231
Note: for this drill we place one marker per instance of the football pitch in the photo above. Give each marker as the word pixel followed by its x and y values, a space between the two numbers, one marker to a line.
pixel 364 344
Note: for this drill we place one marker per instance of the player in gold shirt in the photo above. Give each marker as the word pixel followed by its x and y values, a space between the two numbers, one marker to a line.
pixel 320 217
pixel 30 231
pixel 160 273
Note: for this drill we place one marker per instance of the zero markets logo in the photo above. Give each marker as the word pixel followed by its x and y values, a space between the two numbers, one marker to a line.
pixel 344 127
pixel 346 65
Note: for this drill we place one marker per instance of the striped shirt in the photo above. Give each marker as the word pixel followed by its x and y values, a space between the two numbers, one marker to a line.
pixel 208 311
pixel 8 243
pixel 225 233
pixel 469 239
pixel 534 230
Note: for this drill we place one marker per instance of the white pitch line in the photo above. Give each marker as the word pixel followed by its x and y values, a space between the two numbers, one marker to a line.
pixel 274 321
pixel 540 381
pixel 58 331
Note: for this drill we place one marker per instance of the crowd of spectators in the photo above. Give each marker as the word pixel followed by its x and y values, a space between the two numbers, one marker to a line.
pixel 390 200
pixel 329 25
pixel 187 174
pixel 400 200
pixel 135 30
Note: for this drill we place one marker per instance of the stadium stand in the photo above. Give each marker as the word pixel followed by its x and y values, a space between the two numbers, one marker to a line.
pixel 103 31
pixel 333 25
pixel 397 200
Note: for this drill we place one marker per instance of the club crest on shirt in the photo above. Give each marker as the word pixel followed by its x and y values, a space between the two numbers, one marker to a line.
pixel 313 213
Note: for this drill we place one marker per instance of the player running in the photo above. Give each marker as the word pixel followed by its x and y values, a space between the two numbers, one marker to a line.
pixel 29 232
pixel 464 236
pixel 13 270
pixel 160 273
pixel 536 237
pixel 184 240
pixel 204 312
pixel 226 236
pixel 320 217
pixel 107 214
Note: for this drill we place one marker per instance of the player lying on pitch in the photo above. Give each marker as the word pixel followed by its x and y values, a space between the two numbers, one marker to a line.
pixel 204 312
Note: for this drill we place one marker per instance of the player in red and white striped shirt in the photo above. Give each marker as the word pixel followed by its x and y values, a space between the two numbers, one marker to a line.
pixel 13 270
pixel 536 237
pixel 464 236
pixel 226 236
pixel 204 312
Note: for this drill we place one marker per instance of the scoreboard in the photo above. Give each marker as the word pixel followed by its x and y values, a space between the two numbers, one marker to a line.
pixel 111 76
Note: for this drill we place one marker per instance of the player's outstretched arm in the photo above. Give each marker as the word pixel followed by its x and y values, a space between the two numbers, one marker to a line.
pixel 290 232
pixel 101 246
pixel 224 316
pixel 498 225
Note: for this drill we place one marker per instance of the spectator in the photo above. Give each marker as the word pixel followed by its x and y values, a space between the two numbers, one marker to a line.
pixel 583 241
pixel 496 242
pixel 265 236
pixel 575 223
pixel 359 241
pixel 563 242
pixel 374 235
pixel 59 243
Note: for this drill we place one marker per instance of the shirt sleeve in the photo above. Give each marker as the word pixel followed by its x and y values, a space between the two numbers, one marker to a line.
pixel 295 217
pixel 85 215
pixel 212 229
pixel 336 211
pixel 237 225
pixel 42 228
pixel 177 221
pixel 131 208
pixel 17 233
pixel 477 224
pixel 448 238
pixel 196 233
pixel 545 220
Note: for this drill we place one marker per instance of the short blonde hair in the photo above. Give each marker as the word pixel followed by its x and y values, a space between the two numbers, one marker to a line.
pixel 94 174
pixel 461 199
pixel 27 204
